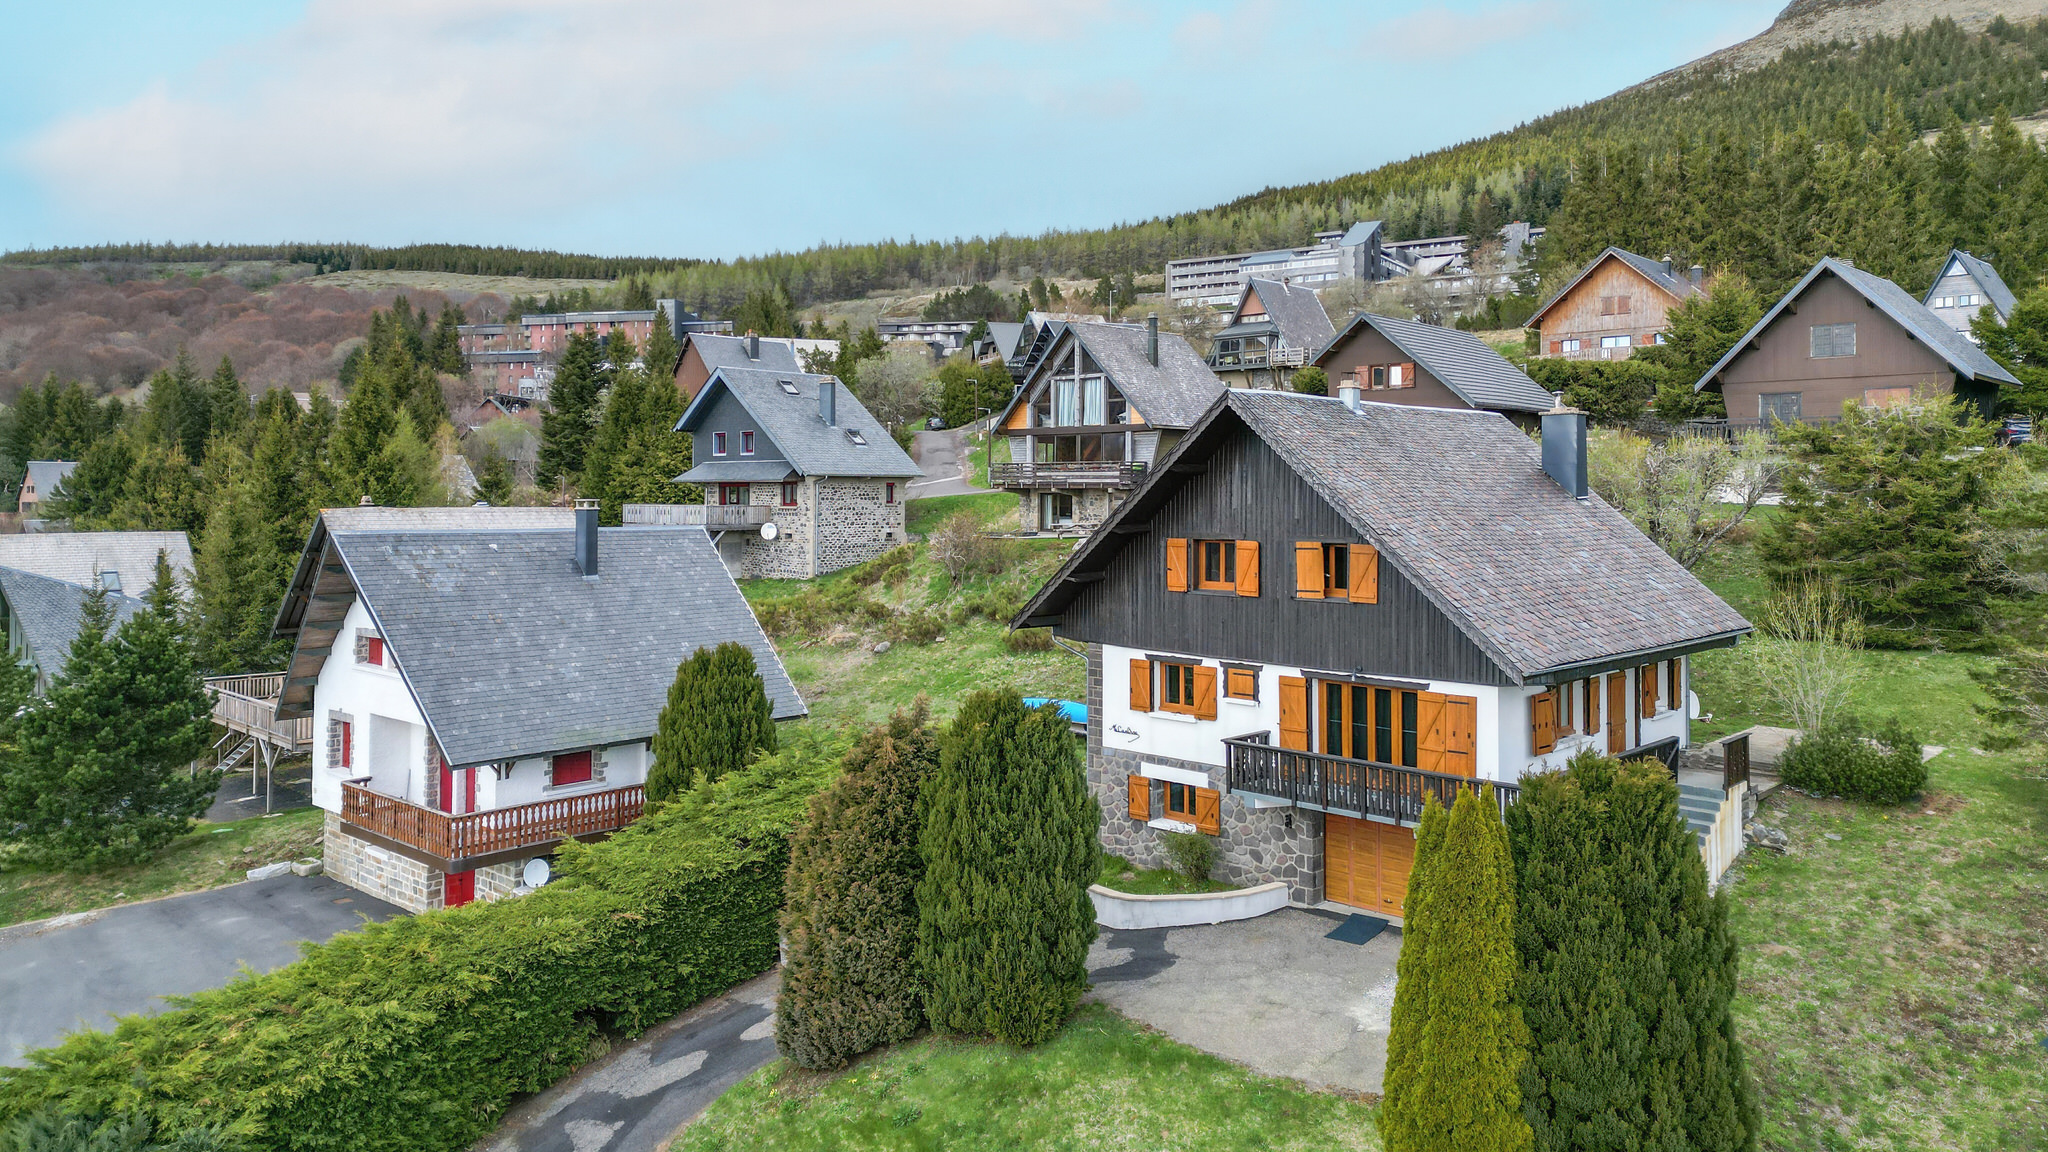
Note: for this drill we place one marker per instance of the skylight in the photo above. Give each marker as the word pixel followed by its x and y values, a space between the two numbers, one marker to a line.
pixel 856 438
pixel 788 386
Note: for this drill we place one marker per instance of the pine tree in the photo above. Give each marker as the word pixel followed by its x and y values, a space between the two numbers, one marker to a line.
pixel 494 479
pixel 161 494
pixel 444 347
pixel 716 719
pixel 1009 848
pixel 662 353
pixel 1466 1043
pixel 572 414
pixel 849 982
pixel 237 578
pixel 227 404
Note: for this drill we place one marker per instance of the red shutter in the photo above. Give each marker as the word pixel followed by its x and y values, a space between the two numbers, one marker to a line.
pixel 376 650
pixel 348 745
pixel 573 768
pixel 1141 685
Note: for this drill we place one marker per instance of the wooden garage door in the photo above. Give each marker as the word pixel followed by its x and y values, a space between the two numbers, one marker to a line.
pixel 1366 864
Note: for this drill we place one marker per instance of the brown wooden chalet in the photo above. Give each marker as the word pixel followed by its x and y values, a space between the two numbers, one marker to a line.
pixel 1394 361
pixel 1618 302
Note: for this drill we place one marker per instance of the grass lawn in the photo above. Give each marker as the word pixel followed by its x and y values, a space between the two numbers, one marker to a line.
pixel 1102 1083
pixel 977 460
pixel 1893 978
pixel 1118 875
pixel 207 857
pixel 921 516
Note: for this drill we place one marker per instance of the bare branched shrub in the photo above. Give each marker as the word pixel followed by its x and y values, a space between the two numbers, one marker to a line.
pixel 958 546
pixel 1802 651
pixel 1687 493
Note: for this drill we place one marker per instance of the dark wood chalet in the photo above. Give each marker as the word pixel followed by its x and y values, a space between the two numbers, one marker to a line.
pixel 1315 612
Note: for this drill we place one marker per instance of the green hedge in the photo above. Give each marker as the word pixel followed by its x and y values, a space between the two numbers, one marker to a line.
pixel 1845 759
pixel 416 1033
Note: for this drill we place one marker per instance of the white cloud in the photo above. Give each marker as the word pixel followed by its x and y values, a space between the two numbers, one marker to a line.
pixel 1442 32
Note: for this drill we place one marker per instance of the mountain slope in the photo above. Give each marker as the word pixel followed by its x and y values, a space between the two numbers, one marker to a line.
pixel 1809 22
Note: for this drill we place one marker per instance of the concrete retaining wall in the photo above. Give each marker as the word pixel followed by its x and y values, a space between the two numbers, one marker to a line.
pixel 1123 910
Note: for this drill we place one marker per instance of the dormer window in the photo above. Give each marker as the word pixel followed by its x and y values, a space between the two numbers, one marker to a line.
pixel 111 581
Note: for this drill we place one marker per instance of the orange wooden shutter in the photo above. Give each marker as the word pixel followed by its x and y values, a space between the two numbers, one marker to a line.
pixel 1461 735
pixel 1177 565
pixel 1592 691
pixel 1140 798
pixel 1430 738
pixel 1141 685
pixel 1308 569
pixel 1556 346
pixel 1294 713
pixel 1209 811
pixel 1365 574
pixel 1241 684
pixel 1247 567
pixel 1205 692
pixel 1646 688
pixel 1543 722
pixel 1408 375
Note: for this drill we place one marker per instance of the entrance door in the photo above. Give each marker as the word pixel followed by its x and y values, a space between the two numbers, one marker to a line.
pixel 1617 713
pixel 1366 864
pixel 458 888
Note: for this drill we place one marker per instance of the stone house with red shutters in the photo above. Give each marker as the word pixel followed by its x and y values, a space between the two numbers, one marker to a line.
pixel 484 684
pixel 1318 611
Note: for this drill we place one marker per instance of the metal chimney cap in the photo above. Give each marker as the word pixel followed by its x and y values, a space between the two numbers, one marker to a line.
pixel 582 503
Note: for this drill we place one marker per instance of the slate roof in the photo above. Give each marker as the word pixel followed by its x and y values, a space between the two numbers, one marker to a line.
pixel 1297 311
pixel 1360 232
pixel 1674 282
pixel 793 425
pixel 736 472
pixel 371 518
pixel 731 352
pixel 1981 271
pixel 1968 360
pixel 1458 501
pixel 1174 394
pixel 510 652
pixel 1006 336
pixel 80 557
pixel 1464 363
pixel 46 475
pixel 50 612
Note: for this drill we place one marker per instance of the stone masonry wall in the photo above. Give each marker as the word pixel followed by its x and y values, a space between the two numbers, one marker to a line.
pixel 495 881
pixel 855 522
pixel 380 872
pixel 1255 847
pixel 788 556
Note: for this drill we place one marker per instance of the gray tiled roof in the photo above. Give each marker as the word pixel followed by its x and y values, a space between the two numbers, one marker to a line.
pixel 80 557
pixel 1464 363
pixel 735 472
pixel 1298 311
pixel 510 652
pixel 1965 358
pixel 375 518
pixel 1006 335
pixel 792 423
pixel 1981 271
pixel 1458 501
pixel 731 352
pixel 46 475
pixel 1676 284
pixel 1172 395
pixel 50 612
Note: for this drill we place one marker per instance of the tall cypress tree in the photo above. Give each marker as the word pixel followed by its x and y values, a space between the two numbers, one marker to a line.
pixel 1004 918
pixel 1400 1112
pixel 850 915
pixel 1466 1043
pixel 717 717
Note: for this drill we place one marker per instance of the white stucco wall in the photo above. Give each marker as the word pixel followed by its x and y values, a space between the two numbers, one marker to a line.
pixel 1502 740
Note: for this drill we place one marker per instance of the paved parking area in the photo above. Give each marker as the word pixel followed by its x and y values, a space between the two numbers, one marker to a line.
pixel 81 971
pixel 1270 993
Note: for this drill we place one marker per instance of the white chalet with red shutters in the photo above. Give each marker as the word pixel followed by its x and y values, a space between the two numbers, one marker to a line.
pixel 484 683
pixel 1318 611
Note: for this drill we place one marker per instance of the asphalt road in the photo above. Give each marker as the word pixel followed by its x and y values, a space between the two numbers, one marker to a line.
pixel 943 456
pixel 80 971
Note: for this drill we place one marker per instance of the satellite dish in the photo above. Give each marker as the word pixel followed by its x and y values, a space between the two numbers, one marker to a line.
pixel 769 531
pixel 536 873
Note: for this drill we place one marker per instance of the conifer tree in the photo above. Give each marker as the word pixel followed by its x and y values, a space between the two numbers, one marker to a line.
pixel 566 427
pixel 1466 1043
pixel 494 479
pixel 1009 847
pixel 716 719
pixel 238 578
pixel 850 916
pixel 662 353
pixel 1402 1109
pixel 227 403
pixel 161 494
pixel 444 347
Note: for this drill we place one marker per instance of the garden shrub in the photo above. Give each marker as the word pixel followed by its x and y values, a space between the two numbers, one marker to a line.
pixel 849 981
pixel 917 627
pixel 1024 640
pixel 889 569
pixel 996 605
pixel 1192 854
pixel 414 1034
pixel 816 610
pixel 716 720
pixel 1845 759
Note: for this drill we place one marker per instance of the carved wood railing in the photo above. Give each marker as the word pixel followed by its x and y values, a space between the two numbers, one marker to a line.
pixel 472 834
pixel 1345 786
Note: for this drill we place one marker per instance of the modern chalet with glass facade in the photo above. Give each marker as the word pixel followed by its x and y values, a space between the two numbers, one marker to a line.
pixel 483 684
pixel 1099 403
pixel 1316 611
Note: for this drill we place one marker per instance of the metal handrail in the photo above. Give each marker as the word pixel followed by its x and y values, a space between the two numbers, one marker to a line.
pixel 1346 786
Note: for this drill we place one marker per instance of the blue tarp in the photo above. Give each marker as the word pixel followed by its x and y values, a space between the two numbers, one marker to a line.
pixel 1073 711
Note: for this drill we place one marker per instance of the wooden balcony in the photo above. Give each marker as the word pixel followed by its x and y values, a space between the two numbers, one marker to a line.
pixel 463 842
pixel 1067 474
pixel 1357 788
pixel 248 704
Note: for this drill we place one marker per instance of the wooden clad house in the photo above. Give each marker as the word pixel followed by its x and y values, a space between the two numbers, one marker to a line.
pixel 706 352
pixel 1099 403
pixel 484 683
pixel 1276 328
pixel 1617 303
pixel 1395 361
pixel 1844 336
pixel 1965 287
pixel 1316 611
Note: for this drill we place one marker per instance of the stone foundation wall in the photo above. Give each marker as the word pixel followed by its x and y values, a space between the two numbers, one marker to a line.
pixel 378 871
pixel 496 881
pixel 788 556
pixel 1256 846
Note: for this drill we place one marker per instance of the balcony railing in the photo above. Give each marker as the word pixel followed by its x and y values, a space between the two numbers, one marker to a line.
pixel 248 704
pixel 1263 358
pixel 1358 788
pixel 1596 353
pixel 715 517
pixel 1067 474
pixel 458 839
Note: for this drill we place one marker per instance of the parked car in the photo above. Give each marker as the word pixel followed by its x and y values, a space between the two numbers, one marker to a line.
pixel 2016 430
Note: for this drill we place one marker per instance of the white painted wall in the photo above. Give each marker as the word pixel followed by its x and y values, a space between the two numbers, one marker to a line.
pixel 1503 748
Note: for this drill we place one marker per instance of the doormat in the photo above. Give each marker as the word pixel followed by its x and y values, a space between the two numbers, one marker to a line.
pixel 1357 929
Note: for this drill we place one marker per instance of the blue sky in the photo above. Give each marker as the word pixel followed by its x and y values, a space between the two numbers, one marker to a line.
pixel 676 128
